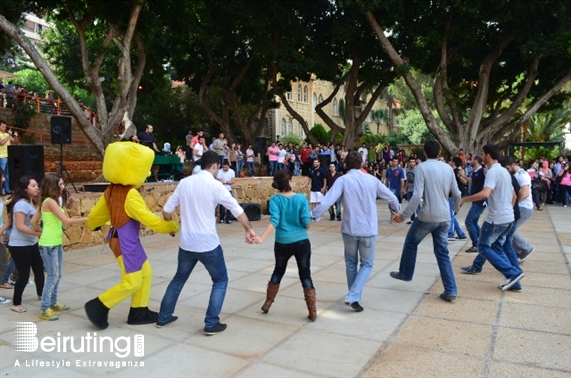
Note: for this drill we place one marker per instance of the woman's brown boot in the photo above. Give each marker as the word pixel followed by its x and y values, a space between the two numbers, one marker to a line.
pixel 270 296
pixel 309 295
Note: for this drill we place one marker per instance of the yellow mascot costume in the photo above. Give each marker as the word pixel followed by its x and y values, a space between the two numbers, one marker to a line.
pixel 126 165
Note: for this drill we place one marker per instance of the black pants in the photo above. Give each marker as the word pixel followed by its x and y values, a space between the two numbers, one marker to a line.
pixel 301 250
pixel 25 258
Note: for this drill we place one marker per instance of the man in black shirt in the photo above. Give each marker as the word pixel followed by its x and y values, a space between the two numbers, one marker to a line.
pixel 147 138
pixel 477 184
pixel 333 175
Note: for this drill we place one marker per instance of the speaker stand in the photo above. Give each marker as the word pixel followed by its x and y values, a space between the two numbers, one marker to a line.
pixel 62 168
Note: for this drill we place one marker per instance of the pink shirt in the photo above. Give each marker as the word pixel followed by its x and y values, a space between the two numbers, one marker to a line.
pixel 566 180
pixel 273 153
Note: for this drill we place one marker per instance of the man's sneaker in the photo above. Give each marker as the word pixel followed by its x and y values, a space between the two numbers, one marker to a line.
pixel 461 237
pixel 448 297
pixel 524 255
pixel 409 222
pixel 4 300
pixel 512 281
pixel 355 306
pixel 512 289
pixel 171 320
pixel 397 276
pixel 217 328
pixel 60 307
pixel 221 221
pixel 48 314
pixel 470 270
pixel 30 283
pixel 228 221
pixel 451 239
pixel 472 249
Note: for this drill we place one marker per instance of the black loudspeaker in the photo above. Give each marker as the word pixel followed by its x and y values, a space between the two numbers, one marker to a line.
pixel 260 146
pixel 61 130
pixel 25 160
pixel 253 211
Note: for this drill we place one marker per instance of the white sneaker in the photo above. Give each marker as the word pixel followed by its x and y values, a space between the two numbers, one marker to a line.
pixel 30 283
pixel 4 300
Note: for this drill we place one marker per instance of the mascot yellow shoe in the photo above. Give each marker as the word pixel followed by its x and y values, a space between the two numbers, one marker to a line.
pixel 126 165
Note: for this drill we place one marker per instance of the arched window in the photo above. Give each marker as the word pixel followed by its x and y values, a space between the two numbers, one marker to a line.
pixel 305 93
pixel 314 101
pixel 335 107
pixel 299 93
pixel 289 127
pixel 288 96
pixel 320 99
pixel 283 127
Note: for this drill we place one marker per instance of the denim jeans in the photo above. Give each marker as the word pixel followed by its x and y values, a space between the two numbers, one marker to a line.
pixel 4 166
pixel 491 245
pixel 416 233
pixel 519 243
pixel 337 206
pixel 280 166
pixel 471 222
pixel 53 264
pixel 273 166
pixel 508 249
pixel 454 225
pixel 397 193
pixel 251 169
pixel 214 263
pixel 358 248
pixel 301 250
pixel 240 166
pixel 296 168
pixel 224 213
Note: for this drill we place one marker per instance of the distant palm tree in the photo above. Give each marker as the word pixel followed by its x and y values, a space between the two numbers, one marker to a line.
pixel 548 127
pixel 380 116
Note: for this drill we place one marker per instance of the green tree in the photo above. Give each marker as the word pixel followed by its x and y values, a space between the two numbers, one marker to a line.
pixel 100 31
pixel 495 63
pixel 380 116
pixel 319 133
pixel 548 127
pixel 413 126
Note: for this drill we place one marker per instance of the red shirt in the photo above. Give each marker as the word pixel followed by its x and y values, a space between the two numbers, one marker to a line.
pixel 304 155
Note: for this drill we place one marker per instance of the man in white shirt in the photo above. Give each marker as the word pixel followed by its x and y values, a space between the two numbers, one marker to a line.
pixel 198 196
pixel 364 152
pixel 198 151
pixel 525 203
pixel 227 177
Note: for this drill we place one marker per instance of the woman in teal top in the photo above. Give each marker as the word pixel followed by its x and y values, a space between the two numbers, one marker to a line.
pixel 290 218
pixel 51 243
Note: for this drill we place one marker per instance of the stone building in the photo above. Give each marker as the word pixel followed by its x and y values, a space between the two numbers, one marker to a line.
pixel 303 98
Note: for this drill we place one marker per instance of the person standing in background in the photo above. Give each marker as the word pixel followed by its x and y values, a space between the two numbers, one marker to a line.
pixel 6 139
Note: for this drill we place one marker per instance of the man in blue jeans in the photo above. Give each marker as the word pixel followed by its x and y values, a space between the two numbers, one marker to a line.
pixel 477 184
pixel 433 218
pixel 456 164
pixel 394 179
pixel 359 228
pixel 498 226
pixel 198 196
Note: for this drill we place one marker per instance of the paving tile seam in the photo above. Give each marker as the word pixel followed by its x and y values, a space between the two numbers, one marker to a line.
pixel 534 330
pixel 292 368
pixel 531 365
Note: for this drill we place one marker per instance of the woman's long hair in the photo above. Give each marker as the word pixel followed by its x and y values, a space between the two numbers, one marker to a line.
pixel 20 193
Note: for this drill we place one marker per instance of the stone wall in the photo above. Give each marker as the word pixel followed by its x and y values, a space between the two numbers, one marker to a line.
pixel 246 190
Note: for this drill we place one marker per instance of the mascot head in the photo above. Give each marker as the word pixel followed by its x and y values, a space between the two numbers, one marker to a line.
pixel 127 163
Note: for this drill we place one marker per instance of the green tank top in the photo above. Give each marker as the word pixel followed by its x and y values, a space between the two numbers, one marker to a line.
pixel 52 233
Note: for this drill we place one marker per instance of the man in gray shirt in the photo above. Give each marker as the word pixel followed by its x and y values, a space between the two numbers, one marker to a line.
pixel 219 146
pixel 358 192
pixel 501 198
pixel 433 218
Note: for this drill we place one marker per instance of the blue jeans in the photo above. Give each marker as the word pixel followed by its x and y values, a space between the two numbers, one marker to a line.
pixel 214 263
pixel 280 166
pixel 397 193
pixel 491 247
pixel 358 248
pixel 296 167
pixel 4 166
pixel 454 225
pixel 240 165
pixel 251 169
pixel 471 222
pixel 519 243
pixel 416 233
pixel 301 250
pixel 273 166
pixel 333 213
pixel 53 264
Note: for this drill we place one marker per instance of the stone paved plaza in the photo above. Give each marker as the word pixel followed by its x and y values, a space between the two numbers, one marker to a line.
pixel 405 330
